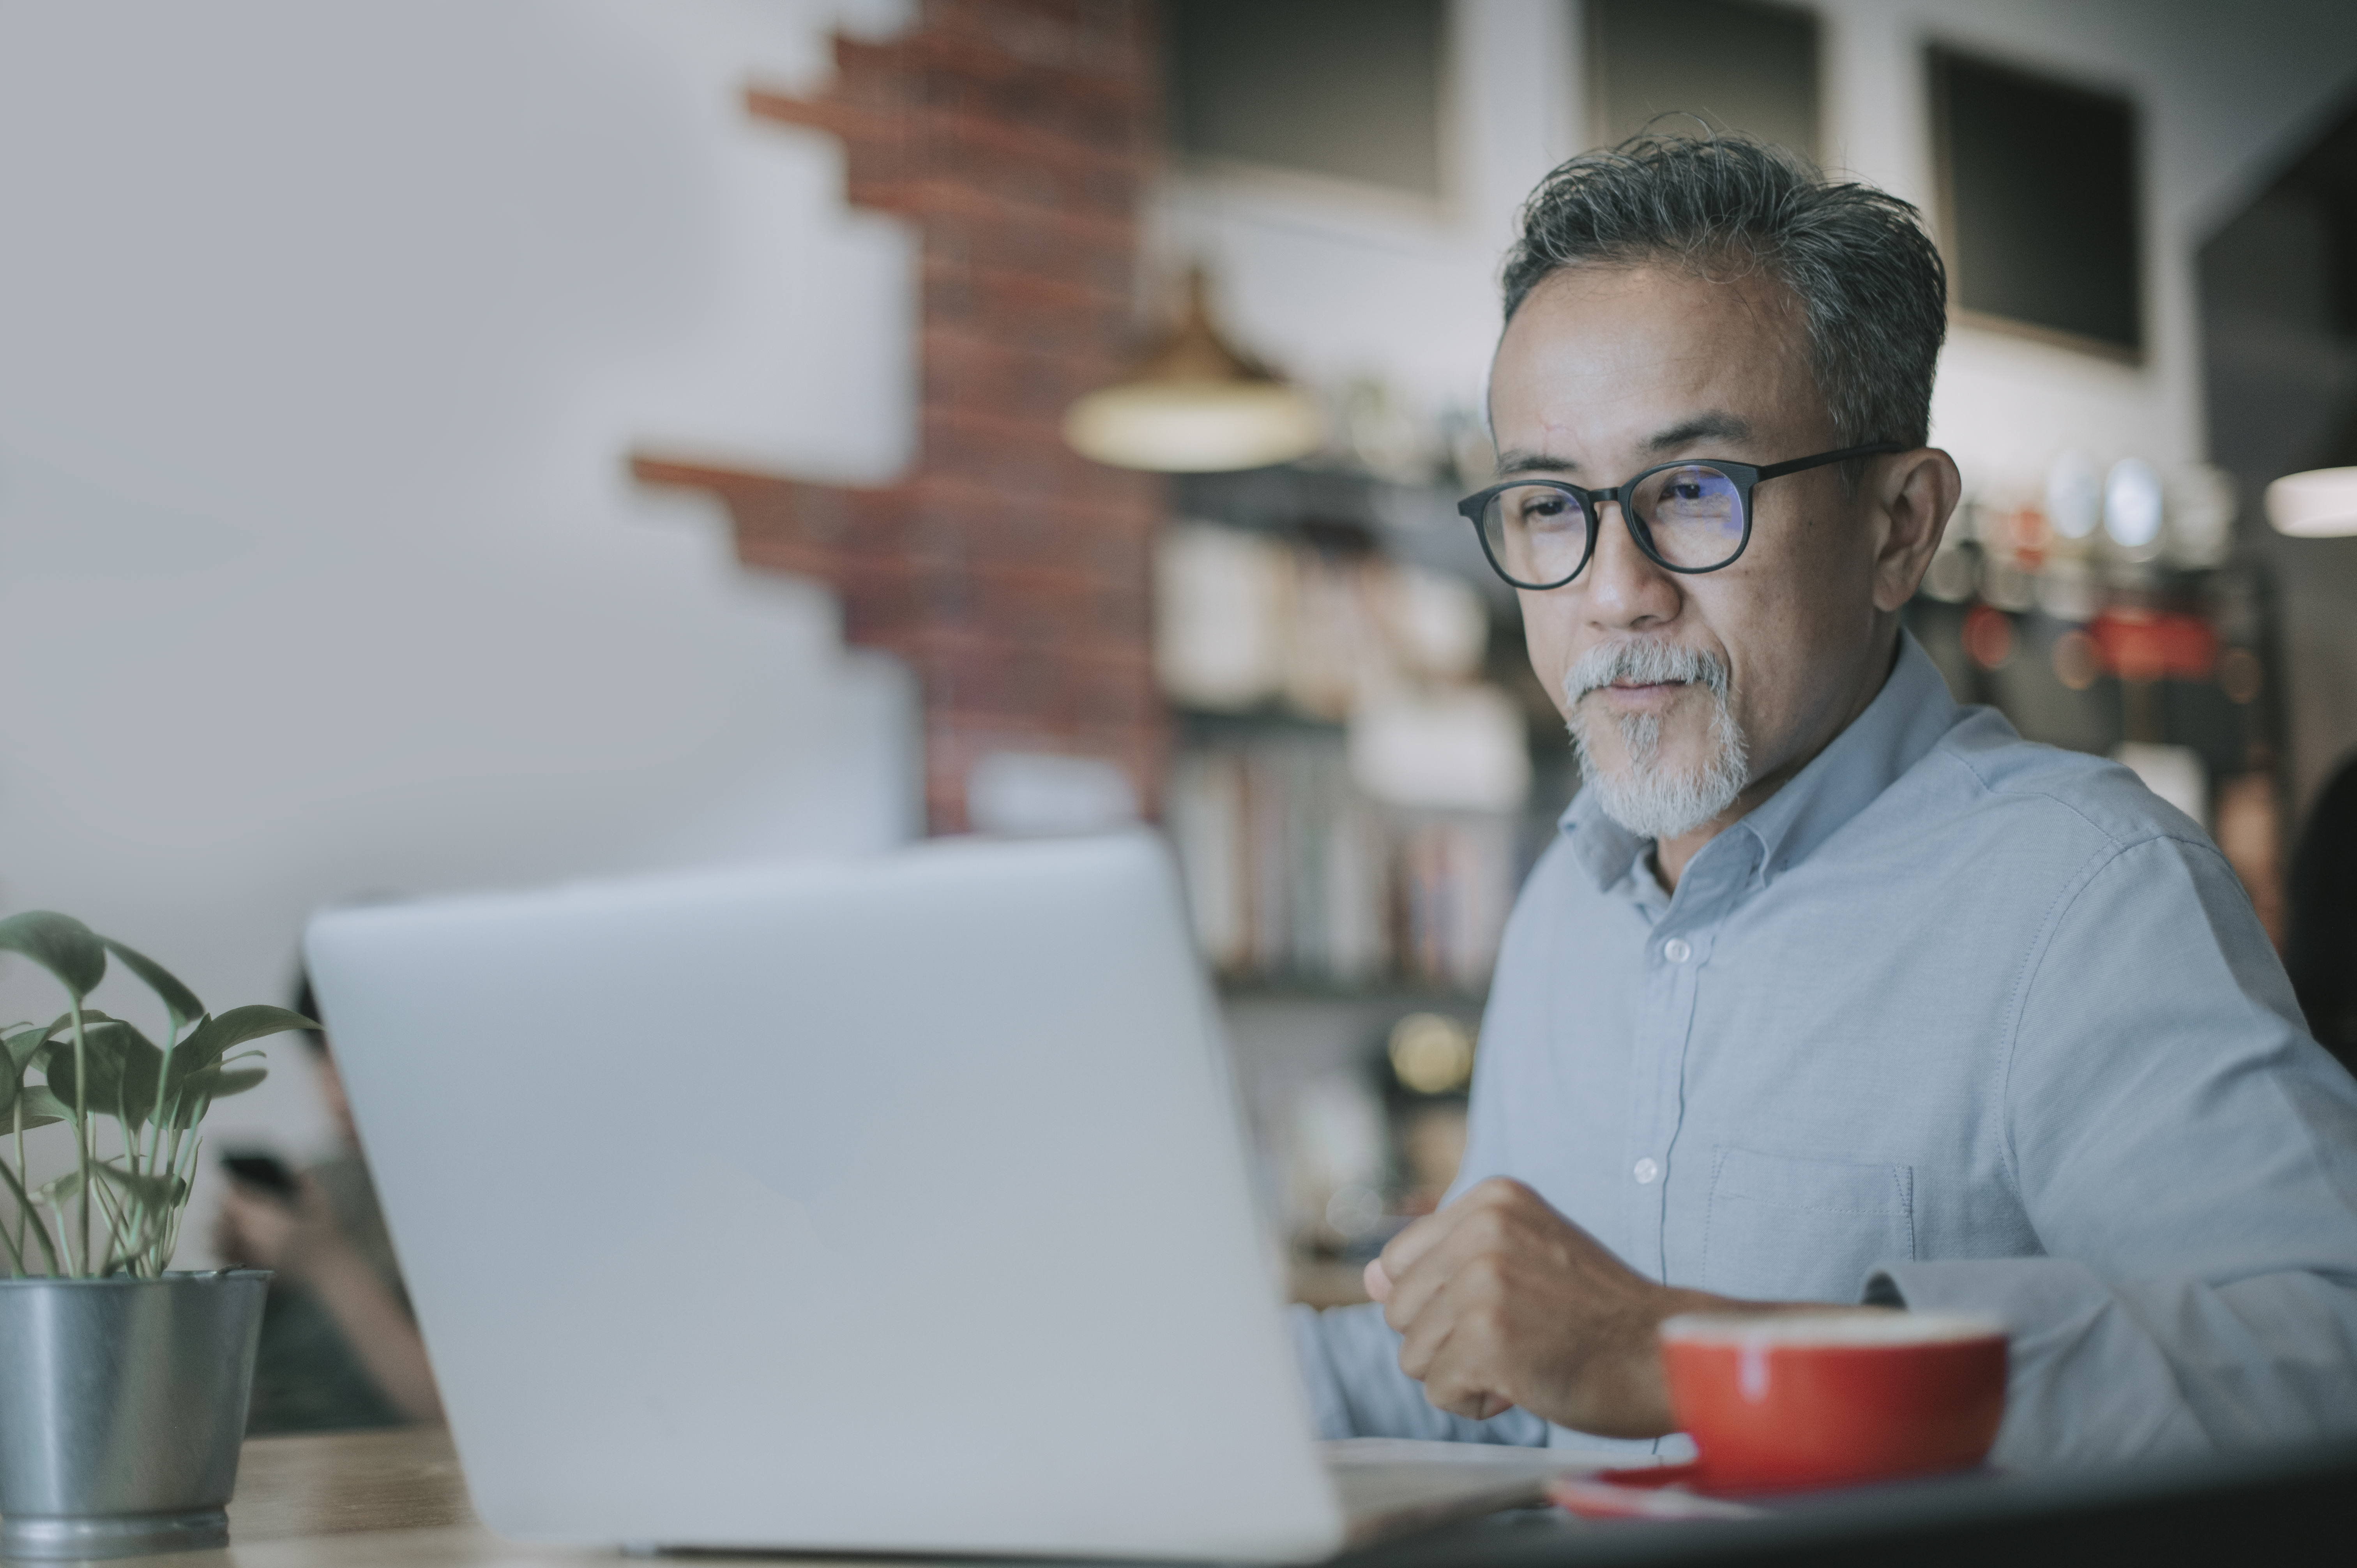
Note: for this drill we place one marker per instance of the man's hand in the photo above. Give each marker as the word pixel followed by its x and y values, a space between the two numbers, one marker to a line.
pixel 262 1232
pixel 1504 1301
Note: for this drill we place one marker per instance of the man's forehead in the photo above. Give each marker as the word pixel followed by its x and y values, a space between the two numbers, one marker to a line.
pixel 1647 359
pixel 1719 426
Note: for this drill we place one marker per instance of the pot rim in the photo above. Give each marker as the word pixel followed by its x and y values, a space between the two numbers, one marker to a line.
pixel 169 1277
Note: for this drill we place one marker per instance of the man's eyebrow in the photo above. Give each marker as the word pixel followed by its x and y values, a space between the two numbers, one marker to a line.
pixel 1716 425
pixel 1519 462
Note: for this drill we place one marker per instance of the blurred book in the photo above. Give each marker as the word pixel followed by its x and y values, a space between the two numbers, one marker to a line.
pixel 1294 874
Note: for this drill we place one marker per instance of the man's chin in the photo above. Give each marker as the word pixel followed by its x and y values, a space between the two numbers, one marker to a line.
pixel 1681 742
pixel 1659 802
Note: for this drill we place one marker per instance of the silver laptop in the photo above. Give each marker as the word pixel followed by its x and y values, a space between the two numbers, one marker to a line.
pixel 891 1206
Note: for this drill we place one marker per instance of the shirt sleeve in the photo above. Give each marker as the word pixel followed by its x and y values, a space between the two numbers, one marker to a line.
pixel 1350 1365
pixel 2188 1157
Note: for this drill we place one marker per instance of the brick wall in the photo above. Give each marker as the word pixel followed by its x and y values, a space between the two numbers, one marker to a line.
pixel 1011 574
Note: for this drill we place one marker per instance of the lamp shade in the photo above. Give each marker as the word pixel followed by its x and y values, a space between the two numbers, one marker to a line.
pixel 1195 405
pixel 2319 504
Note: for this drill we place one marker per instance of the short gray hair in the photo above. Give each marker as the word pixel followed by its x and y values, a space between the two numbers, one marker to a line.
pixel 1868 279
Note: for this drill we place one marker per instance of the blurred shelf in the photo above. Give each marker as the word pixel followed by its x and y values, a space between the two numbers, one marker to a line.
pixel 1417 524
pixel 1392 993
pixel 1211 724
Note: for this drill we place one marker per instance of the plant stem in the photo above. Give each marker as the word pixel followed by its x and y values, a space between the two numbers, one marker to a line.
pixel 172 1233
pixel 25 1215
pixel 163 1076
pixel 85 1145
pixel 65 1240
pixel 108 1211
pixel 16 1245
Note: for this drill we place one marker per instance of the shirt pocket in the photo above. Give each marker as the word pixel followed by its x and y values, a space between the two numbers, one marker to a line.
pixel 1782 1229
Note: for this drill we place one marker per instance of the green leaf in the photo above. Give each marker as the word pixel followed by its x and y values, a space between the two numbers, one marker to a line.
pixel 123 1069
pixel 58 1032
pixel 237 1080
pixel 200 1089
pixel 211 1040
pixel 59 943
pixel 156 1189
pixel 39 1107
pixel 178 1000
pixel 25 1044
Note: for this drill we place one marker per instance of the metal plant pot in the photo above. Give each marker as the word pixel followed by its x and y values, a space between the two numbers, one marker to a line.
pixel 122 1406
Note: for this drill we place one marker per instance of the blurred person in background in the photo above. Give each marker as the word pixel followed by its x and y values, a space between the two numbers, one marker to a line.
pixel 2321 951
pixel 340 1347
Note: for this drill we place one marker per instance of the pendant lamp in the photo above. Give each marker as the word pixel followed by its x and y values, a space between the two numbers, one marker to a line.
pixel 2319 504
pixel 1195 405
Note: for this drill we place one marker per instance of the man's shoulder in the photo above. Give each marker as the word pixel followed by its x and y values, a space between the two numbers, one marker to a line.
pixel 1984 779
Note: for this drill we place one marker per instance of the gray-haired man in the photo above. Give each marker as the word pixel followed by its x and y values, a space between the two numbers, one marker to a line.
pixel 1831 989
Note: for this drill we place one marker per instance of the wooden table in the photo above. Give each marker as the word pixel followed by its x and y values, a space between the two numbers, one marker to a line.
pixel 396 1499
pixel 393 1497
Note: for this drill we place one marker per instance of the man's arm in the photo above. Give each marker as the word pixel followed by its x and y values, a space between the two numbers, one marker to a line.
pixel 300 1241
pixel 1501 1302
pixel 2189 1158
pixel 1349 1368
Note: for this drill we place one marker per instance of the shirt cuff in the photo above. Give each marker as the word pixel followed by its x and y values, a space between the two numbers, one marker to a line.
pixel 1330 1414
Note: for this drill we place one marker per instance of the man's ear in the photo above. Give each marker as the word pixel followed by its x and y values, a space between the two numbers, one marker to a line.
pixel 1916 495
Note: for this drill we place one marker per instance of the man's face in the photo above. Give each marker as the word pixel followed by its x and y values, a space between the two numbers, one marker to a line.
pixel 1607 371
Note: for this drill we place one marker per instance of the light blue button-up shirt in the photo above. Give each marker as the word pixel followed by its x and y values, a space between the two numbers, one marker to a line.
pixel 1952 1020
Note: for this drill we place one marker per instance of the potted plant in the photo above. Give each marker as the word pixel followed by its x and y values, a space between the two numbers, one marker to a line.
pixel 122 1386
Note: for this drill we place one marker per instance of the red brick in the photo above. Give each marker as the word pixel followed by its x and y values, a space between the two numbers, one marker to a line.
pixel 1010 573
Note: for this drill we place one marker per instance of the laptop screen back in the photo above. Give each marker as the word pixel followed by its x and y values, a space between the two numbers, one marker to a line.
pixel 892 1204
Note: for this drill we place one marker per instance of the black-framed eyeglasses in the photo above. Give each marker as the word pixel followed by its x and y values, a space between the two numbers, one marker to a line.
pixel 1694 515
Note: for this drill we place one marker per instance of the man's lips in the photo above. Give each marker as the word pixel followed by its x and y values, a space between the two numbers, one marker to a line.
pixel 1638 695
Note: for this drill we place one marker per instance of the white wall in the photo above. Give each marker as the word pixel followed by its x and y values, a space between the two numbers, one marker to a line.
pixel 324 333
pixel 1330 282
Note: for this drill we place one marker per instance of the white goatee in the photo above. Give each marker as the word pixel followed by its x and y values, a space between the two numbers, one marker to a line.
pixel 1643 797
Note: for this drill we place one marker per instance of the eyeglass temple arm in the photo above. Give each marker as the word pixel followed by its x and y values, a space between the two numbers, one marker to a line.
pixel 1777 470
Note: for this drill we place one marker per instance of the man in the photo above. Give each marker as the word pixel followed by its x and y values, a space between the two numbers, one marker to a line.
pixel 338 1346
pixel 1831 990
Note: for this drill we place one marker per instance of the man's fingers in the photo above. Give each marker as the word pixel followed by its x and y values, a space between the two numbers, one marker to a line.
pixel 1478 1238
pixel 1458 1377
pixel 1399 1254
pixel 1480 1215
pixel 1379 1283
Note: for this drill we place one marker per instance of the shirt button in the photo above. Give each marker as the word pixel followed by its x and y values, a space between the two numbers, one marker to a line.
pixel 1676 950
pixel 1648 1171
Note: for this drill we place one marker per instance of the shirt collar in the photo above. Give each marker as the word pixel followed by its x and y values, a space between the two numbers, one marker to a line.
pixel 1905 720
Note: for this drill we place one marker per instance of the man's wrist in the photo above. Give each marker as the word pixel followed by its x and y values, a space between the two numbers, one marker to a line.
pixel 1645 1393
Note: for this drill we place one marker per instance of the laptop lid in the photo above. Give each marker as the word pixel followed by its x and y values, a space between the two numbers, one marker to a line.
pixel 897 1205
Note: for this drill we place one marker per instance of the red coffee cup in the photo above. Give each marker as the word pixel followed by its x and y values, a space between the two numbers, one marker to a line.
pixel 1787 1400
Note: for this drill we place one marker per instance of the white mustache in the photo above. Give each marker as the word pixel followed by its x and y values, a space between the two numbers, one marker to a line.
pixel 1642 663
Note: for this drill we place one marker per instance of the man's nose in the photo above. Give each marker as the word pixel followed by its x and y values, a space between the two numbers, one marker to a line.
pixel 1626 588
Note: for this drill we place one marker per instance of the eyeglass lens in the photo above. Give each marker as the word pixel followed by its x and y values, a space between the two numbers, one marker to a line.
pixel 1693 514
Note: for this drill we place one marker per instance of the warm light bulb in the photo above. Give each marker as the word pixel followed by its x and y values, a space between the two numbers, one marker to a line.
pixel 1194 427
